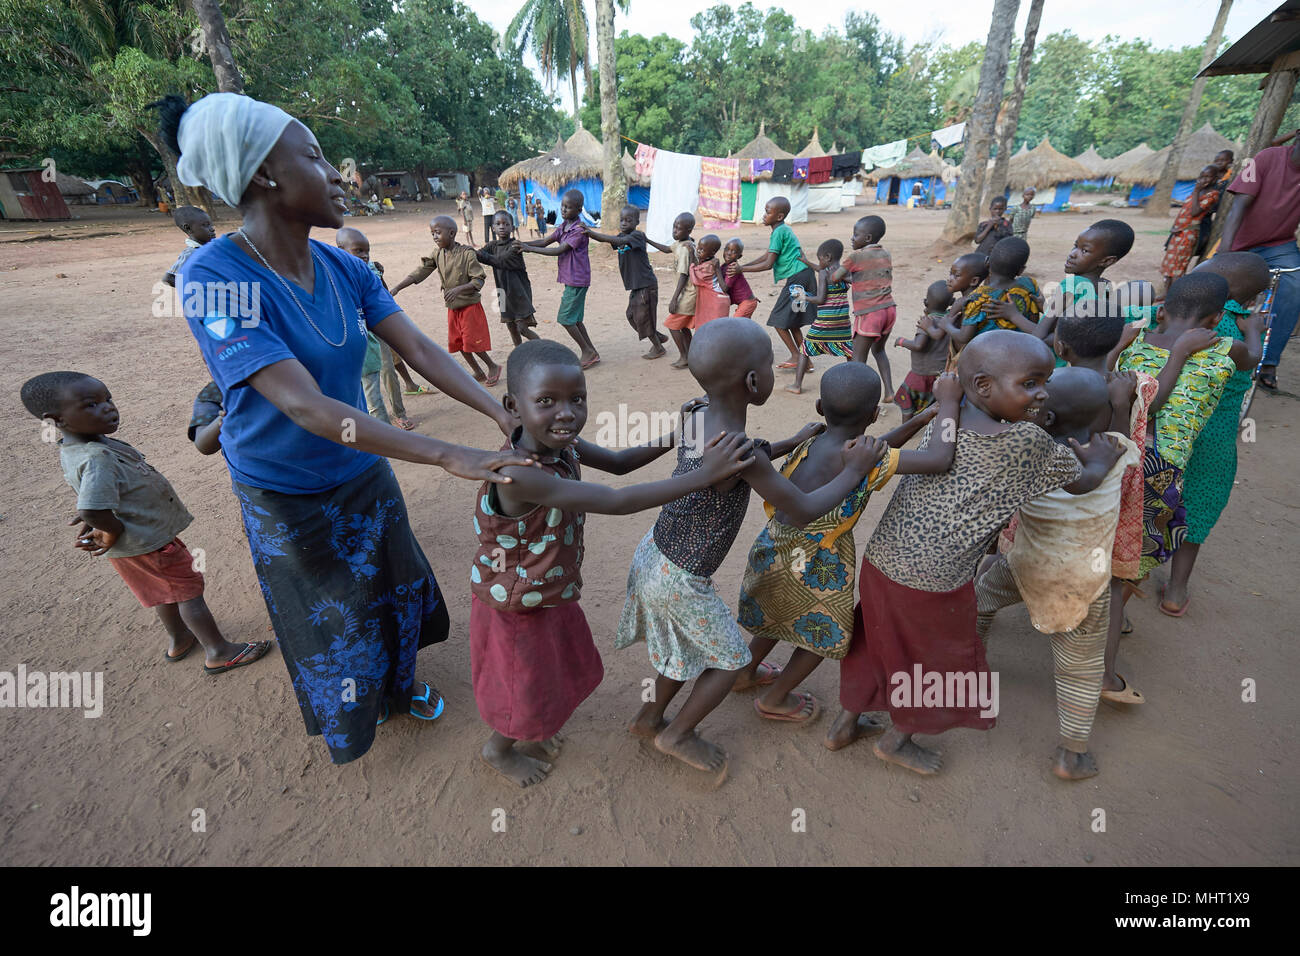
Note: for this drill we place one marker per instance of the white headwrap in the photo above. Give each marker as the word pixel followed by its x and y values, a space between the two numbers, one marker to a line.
pixel 224 137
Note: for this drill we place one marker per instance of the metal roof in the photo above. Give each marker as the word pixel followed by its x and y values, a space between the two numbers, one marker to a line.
pixel 1276 35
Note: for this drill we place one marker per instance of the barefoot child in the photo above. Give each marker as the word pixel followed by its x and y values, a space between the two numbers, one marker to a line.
pixel 638 278
pixel 462 282
pixel 1212 468
pixel 1059 565
pixel 798 584
pixel 870 272
pixel 681 307
pixel 994 229
pixel 131 513
pixel 672 603
pixel 711 300
pixel 917 610
pixel 784 256
pixel 929 348
pixel 573 271
pixel 509 272
pixel 831 332
pixel 532 655
pixel 738 290
pixel 198 229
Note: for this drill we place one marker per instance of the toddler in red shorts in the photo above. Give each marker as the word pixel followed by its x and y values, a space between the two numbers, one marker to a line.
pixel 131 514
pixel 929 348
pixel 462 278
pixel 870 274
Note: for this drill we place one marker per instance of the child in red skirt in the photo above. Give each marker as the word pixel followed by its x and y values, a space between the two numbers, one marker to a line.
pixel 129 512
pixel 531 652
pixel 462 282
pixel 738 290
pixel 916 616
pixel 711 299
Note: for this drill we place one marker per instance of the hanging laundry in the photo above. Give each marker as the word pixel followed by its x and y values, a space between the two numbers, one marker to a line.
pixel 674 190
pixel 645 160
pixel 782 170
pixel 763 168
pixel 886 155
pixel 746 170
pixel 948 136
pixel 800 170
pixel 719 199
pixel 819 170
pixel 845 165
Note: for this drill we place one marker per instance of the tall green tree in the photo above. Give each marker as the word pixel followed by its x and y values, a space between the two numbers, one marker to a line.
pixel 556 33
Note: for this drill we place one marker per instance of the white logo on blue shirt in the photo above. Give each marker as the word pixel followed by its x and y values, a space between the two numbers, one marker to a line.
pixel 219 326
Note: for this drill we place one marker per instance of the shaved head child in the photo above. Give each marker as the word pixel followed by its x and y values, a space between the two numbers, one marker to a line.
pixel 573 271
pixel 638 278
pixel 870 273
pixel 784 256
pixel 510 273
pixel 199 231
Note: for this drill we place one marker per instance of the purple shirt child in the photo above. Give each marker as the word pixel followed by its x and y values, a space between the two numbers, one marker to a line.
pixel 574 265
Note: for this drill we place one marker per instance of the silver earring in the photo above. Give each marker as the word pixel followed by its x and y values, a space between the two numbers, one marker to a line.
pixel 271 183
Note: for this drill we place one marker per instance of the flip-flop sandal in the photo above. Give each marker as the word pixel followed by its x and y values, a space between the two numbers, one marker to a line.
pixel 1176 612
pixel 798 716
pixel 590 362
pixel 493 378
pixel 253 651
pixel 1127 628
pixel 418 390
pixel 764 675
pixel 383 714
pixel 788 365
pixel 1129 695
pixel 1267 380
pixel 183 654
pixel 428 692
pixel 404 423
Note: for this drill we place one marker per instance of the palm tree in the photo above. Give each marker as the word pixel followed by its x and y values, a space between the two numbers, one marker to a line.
pixel 614 195
pixel 1010 118
pixel 556 32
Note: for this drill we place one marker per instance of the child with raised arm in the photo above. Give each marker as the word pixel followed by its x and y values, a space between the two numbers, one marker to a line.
pixel 917 610
pixel 638 277
pixel 672 603
pixel 994 229
pixel 130 513
pixel 831 332
pixel 462 283
pixel 738 290
pixel 929 348
pixel 573 271
pixel 870 272
pixel 1059 564
pixel 509 272
pixel 681 307
pixel 784 256
pixel 711 300
pixel 1192 363
pixel 1005 300
pixel 199 231
pixel 1212 468
pixel 799 582
pixel 531 651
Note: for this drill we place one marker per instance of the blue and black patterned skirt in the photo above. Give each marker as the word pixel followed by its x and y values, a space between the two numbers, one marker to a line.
pixel 351 597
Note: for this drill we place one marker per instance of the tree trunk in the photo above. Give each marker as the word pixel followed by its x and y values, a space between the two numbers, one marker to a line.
pixel 183 195
pixel 573 87
pixel 964 215
pixel 216 40
pixel 1011 116
pixel 1158 204
pixel 614 194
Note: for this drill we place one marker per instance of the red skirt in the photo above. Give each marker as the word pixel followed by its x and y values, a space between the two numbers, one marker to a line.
pixel 896 627
pixel 531 671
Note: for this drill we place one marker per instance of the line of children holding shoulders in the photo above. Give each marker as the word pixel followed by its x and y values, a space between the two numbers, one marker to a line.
pixel 1078 458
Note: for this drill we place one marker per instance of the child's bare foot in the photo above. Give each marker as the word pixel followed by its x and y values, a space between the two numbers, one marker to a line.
pixel 513 765
pixel 543 750
pixel 656 351
pixel 849 728
pixel 796 708
pixel 694 751
pixel 794 389
pixel 1069 765
pixel 899 748
pixel 176 653
pixel 681 362
pixel 645 724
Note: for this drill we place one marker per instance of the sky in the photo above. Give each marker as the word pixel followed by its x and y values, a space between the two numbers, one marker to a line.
pixel 1174 23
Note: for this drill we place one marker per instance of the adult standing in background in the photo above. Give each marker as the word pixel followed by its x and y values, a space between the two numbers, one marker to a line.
pixel 349 591
pixel 489 204
pixel 1263 219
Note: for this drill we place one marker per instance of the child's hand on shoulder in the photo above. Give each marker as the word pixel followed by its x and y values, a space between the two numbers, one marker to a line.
pixel 724 457
pixel 1123 388
pixel 863 454
pixel 1100 448
pixel 947 388
pixel 1195 340
pixel 1003 310
pixel 810 430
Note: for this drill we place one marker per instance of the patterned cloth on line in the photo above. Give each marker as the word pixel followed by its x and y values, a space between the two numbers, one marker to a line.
pixel 719 205
pixel 645 160
pixel 351 598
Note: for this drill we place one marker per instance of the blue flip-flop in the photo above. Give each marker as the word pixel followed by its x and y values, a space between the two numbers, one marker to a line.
pixel 383 713
pixel 428 692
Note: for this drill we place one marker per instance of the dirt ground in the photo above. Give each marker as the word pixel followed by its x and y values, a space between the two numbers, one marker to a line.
pixel 1196 776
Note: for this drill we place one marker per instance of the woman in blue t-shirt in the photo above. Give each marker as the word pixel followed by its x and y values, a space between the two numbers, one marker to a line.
pixel 281 320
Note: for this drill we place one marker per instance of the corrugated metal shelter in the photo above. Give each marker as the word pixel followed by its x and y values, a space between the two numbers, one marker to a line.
pixel 25 195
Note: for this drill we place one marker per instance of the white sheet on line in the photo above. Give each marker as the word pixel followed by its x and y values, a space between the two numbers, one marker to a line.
pixel 675 189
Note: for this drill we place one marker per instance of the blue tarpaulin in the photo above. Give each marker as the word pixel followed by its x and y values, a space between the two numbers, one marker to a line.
pixel 933 189
pixel 590 189
pixel 639 196
pixel 1060 198
pixel 1140 194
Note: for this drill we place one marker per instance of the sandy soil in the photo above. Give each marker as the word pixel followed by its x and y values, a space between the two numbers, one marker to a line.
pixel 1195 776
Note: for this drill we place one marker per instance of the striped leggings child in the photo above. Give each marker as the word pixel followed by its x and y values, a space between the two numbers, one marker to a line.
pixel 1078 656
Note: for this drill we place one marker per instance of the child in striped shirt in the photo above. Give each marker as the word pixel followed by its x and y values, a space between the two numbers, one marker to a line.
pixel 831 332
pixel 870 272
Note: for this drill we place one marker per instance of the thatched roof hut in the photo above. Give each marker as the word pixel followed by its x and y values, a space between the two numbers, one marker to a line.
pixel 1200 150
pixel 814 147
pixel 1093 162
pixel 1118 165
pixel 557 166
pixel 74 190
pixel 915 165
pixel 760 147
pixel 583 144
pixel 1043 166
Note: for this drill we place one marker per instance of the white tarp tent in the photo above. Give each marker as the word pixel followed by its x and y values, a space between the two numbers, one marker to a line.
pixel 797 193
pixel 825 197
